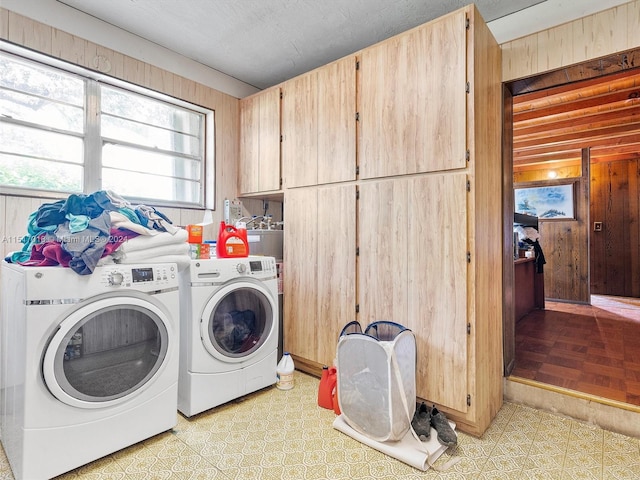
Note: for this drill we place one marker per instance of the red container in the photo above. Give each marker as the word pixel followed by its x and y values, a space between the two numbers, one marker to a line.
pixel 327 387
pixel 232 242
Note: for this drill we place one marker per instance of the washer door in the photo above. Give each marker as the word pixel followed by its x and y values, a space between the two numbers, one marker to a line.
pixel 237 320
pixel 106 351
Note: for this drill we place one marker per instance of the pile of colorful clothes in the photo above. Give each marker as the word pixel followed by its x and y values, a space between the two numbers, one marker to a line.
pixel 85 231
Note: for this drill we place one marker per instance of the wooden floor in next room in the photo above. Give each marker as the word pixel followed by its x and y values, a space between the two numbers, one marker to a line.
pixel 592 349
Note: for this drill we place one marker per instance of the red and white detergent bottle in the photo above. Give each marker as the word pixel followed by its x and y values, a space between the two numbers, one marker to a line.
pixel 232 242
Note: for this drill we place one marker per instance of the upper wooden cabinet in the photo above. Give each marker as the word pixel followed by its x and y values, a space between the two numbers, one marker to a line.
pixel 300 130
pixel 319 125
pixel 259 169
pixel 413 90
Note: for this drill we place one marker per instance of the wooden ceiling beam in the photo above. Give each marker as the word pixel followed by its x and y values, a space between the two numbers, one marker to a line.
pixel 573 120
pixel 614 151
pixel 555 96
pixel 615 135
pixel 547 164
pixel 546 156
pixel 629 95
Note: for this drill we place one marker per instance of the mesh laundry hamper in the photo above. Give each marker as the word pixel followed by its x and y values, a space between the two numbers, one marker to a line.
pixel 377 379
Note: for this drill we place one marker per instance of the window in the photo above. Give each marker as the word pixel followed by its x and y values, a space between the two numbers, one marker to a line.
pixel 69 130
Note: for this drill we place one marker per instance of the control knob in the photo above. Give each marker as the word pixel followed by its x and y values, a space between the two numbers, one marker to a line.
pixel 116 278
pixel 242 268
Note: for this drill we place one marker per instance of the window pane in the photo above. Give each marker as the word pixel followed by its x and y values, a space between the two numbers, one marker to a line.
pixel 38 143
pixel 40 111
pixel 125 158
pixel 41 81
pixel 38 173
pixel 149 136
pixel 140 185
pixel 146 110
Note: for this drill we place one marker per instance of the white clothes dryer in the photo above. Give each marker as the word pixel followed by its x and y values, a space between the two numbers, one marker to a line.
pixel 229 330
pixel 89 363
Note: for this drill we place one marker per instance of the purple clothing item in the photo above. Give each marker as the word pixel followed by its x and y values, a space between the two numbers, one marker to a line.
pixel 47 254
pixel 51 253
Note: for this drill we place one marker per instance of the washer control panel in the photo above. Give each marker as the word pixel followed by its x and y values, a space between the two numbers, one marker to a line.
pixel 114 276
pixel 266 265
pixel 224 269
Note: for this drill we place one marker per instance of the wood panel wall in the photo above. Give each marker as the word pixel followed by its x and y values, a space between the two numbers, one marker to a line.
pixel 610 31
pixel 14 211
pixel 615 249
pixel 566 273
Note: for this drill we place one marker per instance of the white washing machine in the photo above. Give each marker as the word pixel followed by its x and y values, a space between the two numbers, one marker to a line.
pixel 89 363
pixel 229 330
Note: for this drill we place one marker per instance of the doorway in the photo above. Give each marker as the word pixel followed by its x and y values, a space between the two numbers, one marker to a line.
pixel 554 117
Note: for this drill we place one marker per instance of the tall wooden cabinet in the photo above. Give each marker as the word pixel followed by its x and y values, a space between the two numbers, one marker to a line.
pixel 433 226
pixel 424 212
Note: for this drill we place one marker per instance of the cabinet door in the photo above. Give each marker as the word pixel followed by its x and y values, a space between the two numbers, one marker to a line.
pixel 412 269
pixel 437 281
pixel 413 101
pixel 259 169
pixel 336 281
pixel 383 260
pixel 300 260
pixel 319 278
pixel 249 170
pixel 269 140
pixel 300 130
pixel 337 122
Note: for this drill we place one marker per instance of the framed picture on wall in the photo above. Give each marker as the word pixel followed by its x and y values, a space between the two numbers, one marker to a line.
pixel 548 202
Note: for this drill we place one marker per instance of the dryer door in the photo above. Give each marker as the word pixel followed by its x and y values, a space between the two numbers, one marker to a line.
pixel 106 351
pixel 237 321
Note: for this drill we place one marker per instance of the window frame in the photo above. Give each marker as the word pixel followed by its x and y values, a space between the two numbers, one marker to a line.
pixel 92 176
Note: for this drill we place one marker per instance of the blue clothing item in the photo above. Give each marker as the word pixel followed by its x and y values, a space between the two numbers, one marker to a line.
pixel 108 200
pixel 131 215
pixel 50 214
pixel 80 204
pixel 86 247
pixel 152 218
pixel 77 223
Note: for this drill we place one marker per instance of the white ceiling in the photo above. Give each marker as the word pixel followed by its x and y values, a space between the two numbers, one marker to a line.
pixel 264 42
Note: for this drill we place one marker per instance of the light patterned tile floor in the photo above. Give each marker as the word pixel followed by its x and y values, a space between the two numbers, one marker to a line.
pixel 284 435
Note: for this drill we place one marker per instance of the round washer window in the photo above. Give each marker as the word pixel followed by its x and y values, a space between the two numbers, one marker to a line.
pixel 110 353
pixel 240 322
